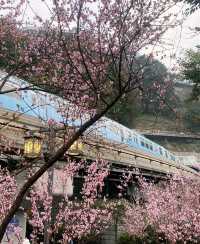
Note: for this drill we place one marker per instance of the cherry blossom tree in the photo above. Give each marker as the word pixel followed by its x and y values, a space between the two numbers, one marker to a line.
pixel 82 51
pixel 170 208
pixel 74 218
pixel 8 189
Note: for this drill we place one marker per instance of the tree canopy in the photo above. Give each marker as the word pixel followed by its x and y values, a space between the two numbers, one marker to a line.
pixel 156 93
pixel 190 69
pixel 103 36
pixel 194 5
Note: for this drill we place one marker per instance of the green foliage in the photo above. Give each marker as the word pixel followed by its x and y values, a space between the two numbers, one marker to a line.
pixel 126 239
pixel 194 5
pixel 151 237
pixel 190 69
pixel 125 110
pixel 154 70
pixel 90 240
pixel 192 116
pixel 155 96
pixel 10 45
pixel 158 95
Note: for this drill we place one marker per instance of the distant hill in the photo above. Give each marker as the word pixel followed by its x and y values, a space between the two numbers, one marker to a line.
pixel 186 118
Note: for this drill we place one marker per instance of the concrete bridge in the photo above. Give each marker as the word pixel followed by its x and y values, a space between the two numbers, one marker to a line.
pixel 13 127
pixel 186 145
pixel 169 134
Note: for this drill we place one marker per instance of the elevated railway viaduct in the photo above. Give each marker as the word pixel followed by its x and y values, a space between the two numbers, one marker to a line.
pixel 14 126
pixel 184 144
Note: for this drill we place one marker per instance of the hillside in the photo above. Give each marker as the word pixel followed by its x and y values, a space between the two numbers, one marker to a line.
pixel 186 119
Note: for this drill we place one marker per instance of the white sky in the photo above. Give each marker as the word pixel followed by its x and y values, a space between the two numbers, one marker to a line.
pixel 182 38
pixel 178 39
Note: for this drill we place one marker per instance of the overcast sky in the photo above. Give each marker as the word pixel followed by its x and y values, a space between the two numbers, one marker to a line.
pixel 178 39
pixel 183 38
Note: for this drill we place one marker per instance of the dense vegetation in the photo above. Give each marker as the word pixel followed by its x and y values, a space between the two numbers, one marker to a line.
pixel 158 98
pixel 190 68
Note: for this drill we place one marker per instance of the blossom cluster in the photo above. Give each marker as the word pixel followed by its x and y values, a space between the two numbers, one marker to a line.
pixel 8 190
pixel 73 218
pixel 170 208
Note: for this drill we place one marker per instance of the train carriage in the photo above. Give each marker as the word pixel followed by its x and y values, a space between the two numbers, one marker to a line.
pixel 47 106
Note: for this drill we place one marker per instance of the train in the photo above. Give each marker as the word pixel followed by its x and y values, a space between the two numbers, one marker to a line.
pixel 46 106
pixel 117 133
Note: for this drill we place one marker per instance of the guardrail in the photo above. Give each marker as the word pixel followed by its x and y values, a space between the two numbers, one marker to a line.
pixel 120 152
pixel 169 133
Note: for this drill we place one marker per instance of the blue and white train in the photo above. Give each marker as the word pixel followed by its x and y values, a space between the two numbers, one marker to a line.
pixel 113 131
pixel 44 106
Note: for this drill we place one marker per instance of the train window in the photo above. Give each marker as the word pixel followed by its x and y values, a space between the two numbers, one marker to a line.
pixel 128 140
pixel 129 136
pixel 166 154
pixel 117 130
pixel 160 150
pixel 122 135
pixel 146 145
pixel 136 140
pixel 151 147
pixel 142 143
pixel 172 157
